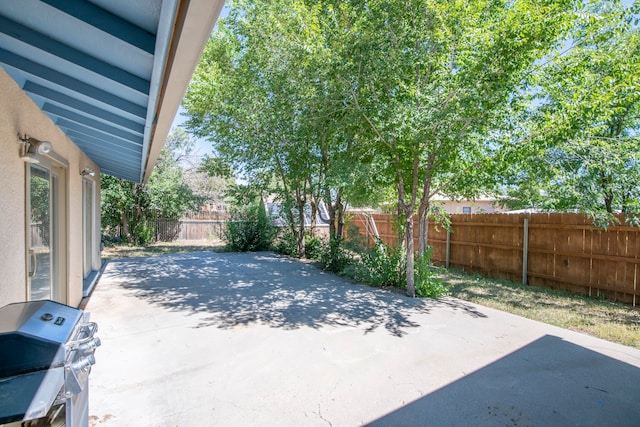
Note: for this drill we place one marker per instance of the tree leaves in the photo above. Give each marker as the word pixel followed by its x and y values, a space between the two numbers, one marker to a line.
pixel 129 206
pixel 584 121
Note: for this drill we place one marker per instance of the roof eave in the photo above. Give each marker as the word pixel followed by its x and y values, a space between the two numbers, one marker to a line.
pixel 194 20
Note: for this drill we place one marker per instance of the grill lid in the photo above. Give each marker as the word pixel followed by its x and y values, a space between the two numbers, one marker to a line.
pixel 32 335
pixel 47 320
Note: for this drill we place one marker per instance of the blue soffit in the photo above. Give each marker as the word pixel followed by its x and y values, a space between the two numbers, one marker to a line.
pixel 97 69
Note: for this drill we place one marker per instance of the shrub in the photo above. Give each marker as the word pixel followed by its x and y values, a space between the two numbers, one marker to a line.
pixel 143 232
pixel 334 257
pixel 313 248
pixel 286 244
pixel 427 283
pixel 250 230
pixel 381 265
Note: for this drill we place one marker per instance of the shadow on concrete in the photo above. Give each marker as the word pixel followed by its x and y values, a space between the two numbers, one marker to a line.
pixel 239 289
pixel 550 382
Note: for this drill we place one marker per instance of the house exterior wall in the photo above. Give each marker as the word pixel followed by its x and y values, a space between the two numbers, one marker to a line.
pixel 478 206
pixel 19 115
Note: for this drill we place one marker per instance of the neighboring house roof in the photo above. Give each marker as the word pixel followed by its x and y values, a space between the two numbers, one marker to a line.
pixel 110 73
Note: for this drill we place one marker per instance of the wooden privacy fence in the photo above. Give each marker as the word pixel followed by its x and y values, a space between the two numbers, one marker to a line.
pixel 168 230
pixel 560 251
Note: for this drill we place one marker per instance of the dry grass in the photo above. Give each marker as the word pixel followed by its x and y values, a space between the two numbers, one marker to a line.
pixel 162 248
pixel 604 319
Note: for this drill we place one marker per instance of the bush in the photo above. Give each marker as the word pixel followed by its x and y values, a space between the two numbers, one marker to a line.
pixel 426 281
pixel 384 265
pixel 142 232
pixel 334 257
pixel 381 265
pixel 313 248
pixel 286 244
pixel 250 230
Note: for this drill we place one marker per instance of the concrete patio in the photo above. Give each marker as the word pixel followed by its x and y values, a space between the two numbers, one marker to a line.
pixel 261 340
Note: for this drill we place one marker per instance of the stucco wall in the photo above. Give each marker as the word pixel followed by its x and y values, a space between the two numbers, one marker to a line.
pixel 19 115
pixel 478 206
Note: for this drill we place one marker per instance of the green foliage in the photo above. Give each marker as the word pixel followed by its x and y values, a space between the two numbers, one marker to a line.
pixel 129 210
pixel 335 257
pixel 379 266
pixel 123 204
pixel 286 243
pixel 313 248
pixel 40 195
pixel 577 146
pixel 267 93
pixel 428 284
pixel 430 79
pixel 343 100
pixel 143 231
pixel 382 266
pixel 249 229
pixel 216 167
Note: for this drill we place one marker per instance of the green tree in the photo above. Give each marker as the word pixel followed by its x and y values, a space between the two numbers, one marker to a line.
pixel 132 207
pixel 429 80
pixel 266 94
pixel 168 193
pixel 249 228
pixel 326 98
pixel 580 150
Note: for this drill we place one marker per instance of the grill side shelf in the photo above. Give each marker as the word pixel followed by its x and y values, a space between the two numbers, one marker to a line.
pixel 29 396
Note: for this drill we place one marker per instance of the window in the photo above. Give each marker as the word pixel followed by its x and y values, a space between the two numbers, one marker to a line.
pixel 466 210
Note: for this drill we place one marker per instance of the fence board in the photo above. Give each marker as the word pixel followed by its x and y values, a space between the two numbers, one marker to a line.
pixel 564 251
pixel 168 230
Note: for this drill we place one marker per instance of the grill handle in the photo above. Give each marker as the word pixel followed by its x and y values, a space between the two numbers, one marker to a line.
pixel 86 330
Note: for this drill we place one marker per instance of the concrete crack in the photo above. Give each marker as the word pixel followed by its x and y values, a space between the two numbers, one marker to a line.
pixel 323 418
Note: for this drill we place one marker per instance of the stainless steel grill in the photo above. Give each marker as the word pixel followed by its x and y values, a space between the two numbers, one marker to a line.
pixel 46 354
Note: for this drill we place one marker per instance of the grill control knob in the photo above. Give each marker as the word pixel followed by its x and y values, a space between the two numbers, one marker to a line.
pixel 47 317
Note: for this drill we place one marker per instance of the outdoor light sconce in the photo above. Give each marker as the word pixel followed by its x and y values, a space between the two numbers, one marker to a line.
pixel 87 171
pixel 31 148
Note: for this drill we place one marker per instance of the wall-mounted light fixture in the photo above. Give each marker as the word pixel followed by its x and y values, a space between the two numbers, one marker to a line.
pixel 31 148
pixel 87 171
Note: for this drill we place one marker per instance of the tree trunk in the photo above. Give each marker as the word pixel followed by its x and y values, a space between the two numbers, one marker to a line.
pixel 423 238
pixel 125 225
pixel 301 201
pixel 605 183
pixel 331 209
pixel 300 237
pixel 425 205
pixel 339 214
pixel 423 228
pixel 608 201
pixel 411 289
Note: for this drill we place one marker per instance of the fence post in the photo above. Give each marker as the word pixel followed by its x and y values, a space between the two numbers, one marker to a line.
pixel 525 251
pixel 448 252
pixel 635 282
